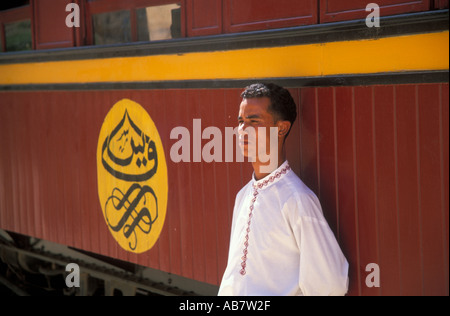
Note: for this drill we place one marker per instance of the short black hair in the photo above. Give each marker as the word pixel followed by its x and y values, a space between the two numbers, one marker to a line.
pixel 282 105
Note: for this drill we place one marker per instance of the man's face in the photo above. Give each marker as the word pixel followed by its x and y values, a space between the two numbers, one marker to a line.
pixel 254 113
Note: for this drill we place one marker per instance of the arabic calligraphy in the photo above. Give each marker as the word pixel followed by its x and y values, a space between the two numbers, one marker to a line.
pixel 141 219
pixel 132 177
pixel 143 153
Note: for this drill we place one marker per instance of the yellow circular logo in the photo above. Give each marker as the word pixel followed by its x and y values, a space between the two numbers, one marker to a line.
pixel 132 177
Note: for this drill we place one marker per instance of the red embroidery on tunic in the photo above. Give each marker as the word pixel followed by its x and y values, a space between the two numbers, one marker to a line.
pixel 259 186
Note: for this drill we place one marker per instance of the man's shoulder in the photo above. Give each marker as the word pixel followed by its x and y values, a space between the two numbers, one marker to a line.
pixel 295 186
pixel 299 197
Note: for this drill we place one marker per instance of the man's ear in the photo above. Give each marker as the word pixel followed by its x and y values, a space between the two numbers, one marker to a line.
pixel 283 128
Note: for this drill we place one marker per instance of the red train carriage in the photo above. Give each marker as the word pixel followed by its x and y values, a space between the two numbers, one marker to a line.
pixel 372 139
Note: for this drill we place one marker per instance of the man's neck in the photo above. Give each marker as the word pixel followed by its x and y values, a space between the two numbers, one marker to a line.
pixel 261 169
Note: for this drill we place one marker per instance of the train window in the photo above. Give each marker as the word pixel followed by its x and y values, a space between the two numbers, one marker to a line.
pixel 15 26
pixel 159 22
pixel 112 28
pixel 120 21
pixel 18 36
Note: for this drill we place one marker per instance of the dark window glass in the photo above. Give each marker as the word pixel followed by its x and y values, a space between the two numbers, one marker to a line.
pixel 112 28
pixel 10 4
pixel 159 22
pixel 18 36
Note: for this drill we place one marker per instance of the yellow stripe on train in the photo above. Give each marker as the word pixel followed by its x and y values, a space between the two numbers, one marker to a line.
pixel 392 54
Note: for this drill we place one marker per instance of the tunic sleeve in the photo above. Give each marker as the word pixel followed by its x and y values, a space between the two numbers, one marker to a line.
pixel 323 267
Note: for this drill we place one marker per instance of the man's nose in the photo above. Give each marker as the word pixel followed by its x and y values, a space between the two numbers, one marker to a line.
pixel 242 128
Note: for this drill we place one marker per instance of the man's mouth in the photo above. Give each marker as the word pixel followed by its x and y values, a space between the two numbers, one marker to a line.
pixel 244 142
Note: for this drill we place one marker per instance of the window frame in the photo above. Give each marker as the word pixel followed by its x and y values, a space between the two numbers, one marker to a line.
pixel 104 6
pixel 13 15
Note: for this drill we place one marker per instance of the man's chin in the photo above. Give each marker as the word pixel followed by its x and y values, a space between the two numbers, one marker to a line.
pixel 248 155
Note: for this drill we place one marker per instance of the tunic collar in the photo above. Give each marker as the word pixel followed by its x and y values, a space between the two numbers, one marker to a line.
pixel 272 178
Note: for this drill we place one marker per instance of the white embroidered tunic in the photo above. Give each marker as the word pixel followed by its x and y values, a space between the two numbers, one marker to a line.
pixel 281 243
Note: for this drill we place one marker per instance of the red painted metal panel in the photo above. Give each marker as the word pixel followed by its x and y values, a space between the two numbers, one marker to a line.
pixel 254 15
pixel 204 17
pixel 184 200
pixel 432 212
pixel 408 180
pixel 376 156
pixel 345 165
pixel 332 11
pixel 309 138
pixel 441 4
pixel 385 186
pixel 327 154
pixel 366 212
pixel 209 199
pixel 50 25
pixel 384 173
pixel 444 127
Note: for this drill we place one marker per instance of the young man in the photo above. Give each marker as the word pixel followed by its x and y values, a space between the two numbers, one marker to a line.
pixel 280 241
